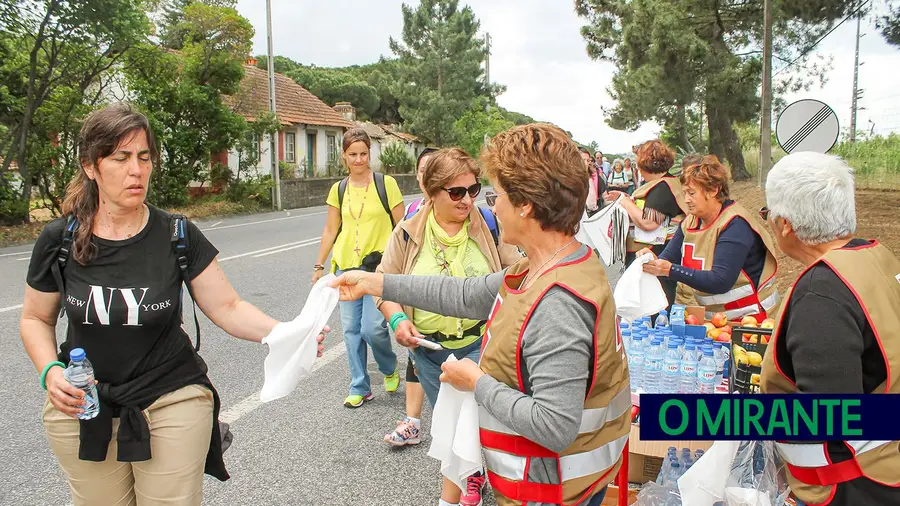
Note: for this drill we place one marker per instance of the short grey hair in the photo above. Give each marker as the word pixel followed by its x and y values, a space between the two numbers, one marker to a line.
pixel 618 161
pixel 815 192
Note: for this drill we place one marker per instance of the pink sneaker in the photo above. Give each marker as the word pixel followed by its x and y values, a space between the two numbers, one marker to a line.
pixel 471 496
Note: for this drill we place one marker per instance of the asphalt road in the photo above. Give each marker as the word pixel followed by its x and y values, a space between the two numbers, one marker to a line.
pixel 305 449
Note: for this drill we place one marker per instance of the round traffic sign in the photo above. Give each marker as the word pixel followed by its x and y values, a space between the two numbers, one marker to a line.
pixel 807 125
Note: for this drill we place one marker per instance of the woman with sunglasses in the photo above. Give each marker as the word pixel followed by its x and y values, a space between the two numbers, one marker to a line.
pixel 356 232
pixel 552 381
pixel 447 237
pixel 718 250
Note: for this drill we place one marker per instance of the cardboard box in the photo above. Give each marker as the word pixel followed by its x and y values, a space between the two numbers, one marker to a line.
pixel 698 311
pixel 645 457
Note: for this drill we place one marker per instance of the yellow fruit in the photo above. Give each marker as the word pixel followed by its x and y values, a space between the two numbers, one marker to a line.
pixel 749 321
pixel 768 323
pixel 736 349
pixel 709 327
pixel 754 379
pixel 755 358
pixel 714 333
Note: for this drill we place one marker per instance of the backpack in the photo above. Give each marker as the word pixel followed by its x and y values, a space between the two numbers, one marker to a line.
pixel 382 196
pixel 179 244
pixel 489 218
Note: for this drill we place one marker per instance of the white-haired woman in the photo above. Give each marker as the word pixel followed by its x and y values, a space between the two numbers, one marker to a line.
pixel 839 330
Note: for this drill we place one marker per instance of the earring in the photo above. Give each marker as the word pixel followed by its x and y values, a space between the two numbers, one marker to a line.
pixel 522 215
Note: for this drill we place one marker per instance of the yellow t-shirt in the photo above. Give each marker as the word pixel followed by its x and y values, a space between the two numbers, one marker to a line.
pixel 373 225
pixel 427 264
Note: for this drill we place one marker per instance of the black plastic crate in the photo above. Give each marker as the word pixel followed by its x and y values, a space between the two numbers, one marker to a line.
pixel 741 375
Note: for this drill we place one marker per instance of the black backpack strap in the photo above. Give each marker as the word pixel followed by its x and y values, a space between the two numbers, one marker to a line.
pixel 382 195
pixel 179 242
pixel 62 258
pixel 342 189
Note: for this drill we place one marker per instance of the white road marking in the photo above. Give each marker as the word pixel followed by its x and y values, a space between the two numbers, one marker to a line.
pixel 15 254
pixel 218 222
pixel 22 259
pixel 10 308
pixel 252 402
pixel 280 246
pixel 311 243
pixel 261 221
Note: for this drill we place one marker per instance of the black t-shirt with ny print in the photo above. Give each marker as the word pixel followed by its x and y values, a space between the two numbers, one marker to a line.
pixel 123 307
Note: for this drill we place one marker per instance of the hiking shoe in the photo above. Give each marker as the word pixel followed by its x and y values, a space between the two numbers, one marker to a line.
pixel 392 382
pixel 406 433
pixel 355 401
pixel 471 496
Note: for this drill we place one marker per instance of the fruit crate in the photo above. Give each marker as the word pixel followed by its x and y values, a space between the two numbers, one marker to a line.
pixel 742 374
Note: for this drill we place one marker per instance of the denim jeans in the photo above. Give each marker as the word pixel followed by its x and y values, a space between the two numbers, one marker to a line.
pixel 363 324
pixel 597 500
pixel 428 366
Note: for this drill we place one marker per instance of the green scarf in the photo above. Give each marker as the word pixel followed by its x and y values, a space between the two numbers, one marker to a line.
pixel 435 236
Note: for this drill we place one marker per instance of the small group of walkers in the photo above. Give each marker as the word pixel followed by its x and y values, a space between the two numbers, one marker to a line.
pixel 525 308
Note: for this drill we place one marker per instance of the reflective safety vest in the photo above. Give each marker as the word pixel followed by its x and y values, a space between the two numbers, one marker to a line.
pixel 640 195
pixel 591 461
pixel 873 275
pixel 744 299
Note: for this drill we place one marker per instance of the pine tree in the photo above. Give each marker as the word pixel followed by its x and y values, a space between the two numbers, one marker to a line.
pixel 439 67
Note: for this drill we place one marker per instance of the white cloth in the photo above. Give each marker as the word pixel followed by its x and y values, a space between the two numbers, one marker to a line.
pixel 292 345
pixel 638 293
pixel 606 232
pixel 704 484
pixel 455 440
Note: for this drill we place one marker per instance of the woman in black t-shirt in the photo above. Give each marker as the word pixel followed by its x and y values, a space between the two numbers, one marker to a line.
pixel 122 285
pixel 656 208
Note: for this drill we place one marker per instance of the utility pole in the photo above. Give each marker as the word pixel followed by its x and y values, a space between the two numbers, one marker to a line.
pixel 765 127
pixel 856 91
pixel 273 138
pixel 487 68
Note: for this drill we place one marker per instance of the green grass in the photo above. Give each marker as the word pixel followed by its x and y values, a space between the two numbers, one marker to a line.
pixel 876 161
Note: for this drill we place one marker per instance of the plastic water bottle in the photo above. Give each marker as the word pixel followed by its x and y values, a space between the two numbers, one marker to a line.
pixel 662 320
pixel 671 369
pixel 689 363
pixel 653 363
pixel 721 354
pixel 698 454
pixel 674 472
pixel 80 374
pixel 636 356
pixel 666 467
pixel 626 339
pixel 685 456
pixel 706 372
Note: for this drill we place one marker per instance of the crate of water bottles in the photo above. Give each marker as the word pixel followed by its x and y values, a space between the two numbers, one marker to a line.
pixel 661 362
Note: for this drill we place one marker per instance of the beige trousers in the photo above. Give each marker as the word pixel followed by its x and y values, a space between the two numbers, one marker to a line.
pixel 180 430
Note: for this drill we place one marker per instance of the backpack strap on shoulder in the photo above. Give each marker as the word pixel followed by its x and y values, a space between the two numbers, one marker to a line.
pixel 491 220
pixel 179 242
pixel 382 195
pixel 62 258
pixel 342 189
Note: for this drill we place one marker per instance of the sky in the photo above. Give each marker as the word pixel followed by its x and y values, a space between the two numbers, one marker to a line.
pixel 539 54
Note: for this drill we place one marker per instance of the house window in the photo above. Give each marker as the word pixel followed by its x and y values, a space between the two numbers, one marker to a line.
pixel 332 149
pixel 290 150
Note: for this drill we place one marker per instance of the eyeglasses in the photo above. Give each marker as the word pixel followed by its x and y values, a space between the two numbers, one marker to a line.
pixel 764 213
pixel 491 198
pixel 458 192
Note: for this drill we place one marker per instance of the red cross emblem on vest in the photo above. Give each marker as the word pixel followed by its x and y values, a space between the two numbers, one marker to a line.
pixel 689 260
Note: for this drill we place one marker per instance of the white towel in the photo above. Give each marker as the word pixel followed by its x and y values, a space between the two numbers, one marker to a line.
pixel 454 433
pixel 292 345
pixel 606 232
pixel 638 293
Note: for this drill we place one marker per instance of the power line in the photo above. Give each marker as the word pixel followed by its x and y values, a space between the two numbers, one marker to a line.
pixel 820 39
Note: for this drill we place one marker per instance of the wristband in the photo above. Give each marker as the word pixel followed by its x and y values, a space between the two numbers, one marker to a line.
pixel 396 318
pixel 318 267
pixel 47 369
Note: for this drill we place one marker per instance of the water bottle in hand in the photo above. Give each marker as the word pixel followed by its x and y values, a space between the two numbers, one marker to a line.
pixel 80 374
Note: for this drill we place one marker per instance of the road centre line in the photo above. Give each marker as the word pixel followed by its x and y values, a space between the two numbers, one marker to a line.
pixel 280 246
pixel 313 243
pixel 209 229
pixel 10 308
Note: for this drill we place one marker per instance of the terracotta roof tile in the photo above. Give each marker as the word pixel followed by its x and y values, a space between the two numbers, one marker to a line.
pixel 294 103
pixel 408 137
pixel 374 131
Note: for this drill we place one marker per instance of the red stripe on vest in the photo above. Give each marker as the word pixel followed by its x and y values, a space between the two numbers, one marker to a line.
pixel 525 491
pixel 516 445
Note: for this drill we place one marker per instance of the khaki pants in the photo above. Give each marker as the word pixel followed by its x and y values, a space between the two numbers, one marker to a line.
pixel 180 430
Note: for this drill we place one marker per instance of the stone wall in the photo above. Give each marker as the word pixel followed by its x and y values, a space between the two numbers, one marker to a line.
pixel 309 192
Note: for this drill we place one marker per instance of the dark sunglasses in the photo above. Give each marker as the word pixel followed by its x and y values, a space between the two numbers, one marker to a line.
pixel 764 213
pixel 458 192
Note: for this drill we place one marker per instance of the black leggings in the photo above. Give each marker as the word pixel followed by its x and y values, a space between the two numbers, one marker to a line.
pixel 411 371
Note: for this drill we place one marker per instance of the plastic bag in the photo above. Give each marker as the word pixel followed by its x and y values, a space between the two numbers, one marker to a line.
pixel 756 478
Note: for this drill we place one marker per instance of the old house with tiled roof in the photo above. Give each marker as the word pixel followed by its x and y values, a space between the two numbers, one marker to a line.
pixel 310 139
pixel 381 135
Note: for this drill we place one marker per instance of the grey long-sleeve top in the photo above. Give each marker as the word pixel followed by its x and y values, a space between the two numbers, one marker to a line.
pixel 556 349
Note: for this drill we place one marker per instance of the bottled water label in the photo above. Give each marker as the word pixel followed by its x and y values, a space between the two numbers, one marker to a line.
pixel 653 365
pixel 707 375
pixel 689 370
pixel 670 367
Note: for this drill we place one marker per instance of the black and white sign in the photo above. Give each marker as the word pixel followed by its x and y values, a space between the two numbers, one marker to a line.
pixel 807 125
